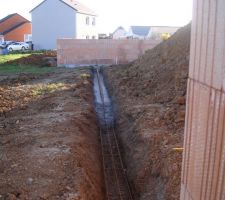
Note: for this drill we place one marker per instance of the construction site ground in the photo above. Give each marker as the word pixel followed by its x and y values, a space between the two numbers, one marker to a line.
pixel 49 140
pixel 50 145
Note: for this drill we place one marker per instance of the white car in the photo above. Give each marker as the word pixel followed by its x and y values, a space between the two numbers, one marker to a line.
pixel 18 46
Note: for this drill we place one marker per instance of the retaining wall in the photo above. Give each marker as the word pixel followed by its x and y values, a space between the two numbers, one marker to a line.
pixel 74 52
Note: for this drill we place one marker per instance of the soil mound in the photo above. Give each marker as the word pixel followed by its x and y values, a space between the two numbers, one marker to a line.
pixel 46 58
pixel 150 94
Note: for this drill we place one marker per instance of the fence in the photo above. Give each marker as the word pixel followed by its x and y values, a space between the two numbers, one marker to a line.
pixel 73 52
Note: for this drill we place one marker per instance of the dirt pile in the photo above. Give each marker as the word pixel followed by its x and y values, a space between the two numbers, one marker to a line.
pixel 49 147
pixel 47 58
pixel 150 94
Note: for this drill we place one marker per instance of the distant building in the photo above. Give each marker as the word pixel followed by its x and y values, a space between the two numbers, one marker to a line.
pixel 156 32
pixel 54 19
pixel 145 32
pixel 15 27
pixel 119 33
pixel 138 32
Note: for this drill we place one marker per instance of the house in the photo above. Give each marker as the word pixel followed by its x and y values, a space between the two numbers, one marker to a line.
pixel 138 32
pixel 119 33
pixel 150 32
pixel 156 32
pixel 15 27
pixel 54 19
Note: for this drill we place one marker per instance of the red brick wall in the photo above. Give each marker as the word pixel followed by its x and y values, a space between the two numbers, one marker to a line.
pixel 73 52
pixel 12 21
pixel 203 174
pixel 18 33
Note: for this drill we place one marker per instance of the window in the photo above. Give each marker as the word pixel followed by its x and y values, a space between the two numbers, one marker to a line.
pixel 87 37
pixel 27 37
pixel 87 20
pixel 93 21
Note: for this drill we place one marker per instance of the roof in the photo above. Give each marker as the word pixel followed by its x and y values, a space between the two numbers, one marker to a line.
pixel 140 30
pixel 79 7
pixel 119 28
pixel 13 28
pixel 11 15
pixel 7 17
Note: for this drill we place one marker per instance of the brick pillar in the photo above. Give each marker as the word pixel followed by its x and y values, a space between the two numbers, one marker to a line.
pixel 203 173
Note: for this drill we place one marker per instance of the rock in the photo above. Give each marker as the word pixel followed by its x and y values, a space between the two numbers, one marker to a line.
pixel 52 63
pixel 49 61
pixel 30 180
pixel 68 188
pixel 157 121
pixel 180 116
pixel 180 100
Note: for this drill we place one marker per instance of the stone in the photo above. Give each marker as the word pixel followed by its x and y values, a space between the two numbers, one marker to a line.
pixel 180 100
pixel 180 116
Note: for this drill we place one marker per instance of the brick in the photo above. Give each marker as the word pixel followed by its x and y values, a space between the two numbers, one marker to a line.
pixel 90 52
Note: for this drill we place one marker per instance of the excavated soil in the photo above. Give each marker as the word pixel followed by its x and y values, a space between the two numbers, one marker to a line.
pixel 149 95
pixel 49 146
pixel 46 58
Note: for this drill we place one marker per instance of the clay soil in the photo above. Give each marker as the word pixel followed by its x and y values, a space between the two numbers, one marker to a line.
pixel 49 146
pixel 149 97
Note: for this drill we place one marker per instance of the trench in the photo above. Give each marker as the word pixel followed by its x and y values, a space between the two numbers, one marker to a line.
pixel 116 182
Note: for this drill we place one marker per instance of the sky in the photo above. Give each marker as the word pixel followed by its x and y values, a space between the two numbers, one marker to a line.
pixel 114 13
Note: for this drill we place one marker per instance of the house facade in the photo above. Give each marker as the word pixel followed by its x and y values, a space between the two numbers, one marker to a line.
pixel 138 32
pixel 119 33
pixel 15 27
pixel 145 32
pixel 55 19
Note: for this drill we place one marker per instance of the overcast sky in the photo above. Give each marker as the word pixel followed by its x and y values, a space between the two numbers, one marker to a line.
pixel 114 13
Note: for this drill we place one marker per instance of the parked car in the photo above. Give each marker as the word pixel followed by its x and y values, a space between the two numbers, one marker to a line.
pixel 31 45
pixel 2 45
pixel 5 44
pixel 18 46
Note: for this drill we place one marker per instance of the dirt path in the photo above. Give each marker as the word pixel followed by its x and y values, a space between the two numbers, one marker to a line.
pixel 49 147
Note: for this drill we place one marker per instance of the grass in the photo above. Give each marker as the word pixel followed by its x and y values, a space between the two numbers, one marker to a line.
pixel 5 58
pixel 25 69
pixel 49 88
pixel 5 67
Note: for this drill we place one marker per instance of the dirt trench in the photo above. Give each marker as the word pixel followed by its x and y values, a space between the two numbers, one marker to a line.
pixel 147 139
pixel 149 98
pixel 49 137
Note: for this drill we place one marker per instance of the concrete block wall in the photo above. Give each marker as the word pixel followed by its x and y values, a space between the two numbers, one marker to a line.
pixel 73 52
pixel 203 173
